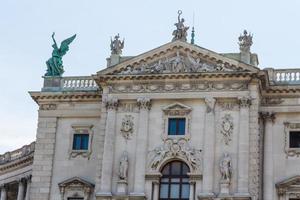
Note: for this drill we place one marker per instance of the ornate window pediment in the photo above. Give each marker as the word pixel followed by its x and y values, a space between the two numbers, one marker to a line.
pixel 289 188
pixel 173 111
pixel 75 188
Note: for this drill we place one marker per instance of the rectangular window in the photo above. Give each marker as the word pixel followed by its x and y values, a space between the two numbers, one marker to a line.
pixel 75 198
pixel 81 142
pixel 176 126
pixel 294 139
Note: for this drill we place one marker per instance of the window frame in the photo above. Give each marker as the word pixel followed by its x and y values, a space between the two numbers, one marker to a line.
pixel 177 126
pixel 80 135
pixel 81 129
pixel 176 110
pixel 288 128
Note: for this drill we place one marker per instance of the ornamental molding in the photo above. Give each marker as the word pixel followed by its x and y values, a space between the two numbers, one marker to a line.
pixel 48 107
pixel 179 86
pixel 111 103
pixel 173 149
pixel 128 107
pixel 227 105
pixel 244 102
pixel 272 101
pixel 76 187
pixel 268 116
pixel 289 187
pixel 144 103
pixel 177 109
pixel 227 128
pixel 210 103
pixel 290 126
pixel 127 127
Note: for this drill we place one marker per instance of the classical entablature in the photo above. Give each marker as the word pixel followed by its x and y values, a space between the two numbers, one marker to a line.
pixel 176 59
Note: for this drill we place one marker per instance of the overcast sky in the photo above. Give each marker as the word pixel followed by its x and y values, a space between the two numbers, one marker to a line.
pixel 26 28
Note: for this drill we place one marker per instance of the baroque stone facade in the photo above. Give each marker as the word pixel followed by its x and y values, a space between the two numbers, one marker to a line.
pixel 234 128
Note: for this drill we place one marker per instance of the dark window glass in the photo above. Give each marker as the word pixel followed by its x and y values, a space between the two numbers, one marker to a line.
pixel 176 126
pixel 75 198
pixel 81 142
pixel 174 183
pixel 294 139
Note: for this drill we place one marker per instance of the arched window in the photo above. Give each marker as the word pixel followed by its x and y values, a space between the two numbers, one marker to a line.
pixel 174 183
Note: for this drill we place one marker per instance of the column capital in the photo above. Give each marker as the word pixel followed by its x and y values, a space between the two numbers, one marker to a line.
pixel 244 101
pixel 210 103
pixel 111 103
pixel 268 116
pixel 144 103
pixel 3 186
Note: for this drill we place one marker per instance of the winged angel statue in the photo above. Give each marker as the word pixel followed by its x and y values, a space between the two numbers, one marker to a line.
pixel 55 63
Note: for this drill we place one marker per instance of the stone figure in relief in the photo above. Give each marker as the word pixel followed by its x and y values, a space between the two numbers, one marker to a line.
pixel 226 167
pixel 123 169
pixel 245 41
pixel 127 127
pixel 181 30
pixel 116 45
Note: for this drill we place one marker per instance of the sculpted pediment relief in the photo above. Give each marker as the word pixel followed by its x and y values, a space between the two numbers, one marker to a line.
pixel 178 63
pixel 178 57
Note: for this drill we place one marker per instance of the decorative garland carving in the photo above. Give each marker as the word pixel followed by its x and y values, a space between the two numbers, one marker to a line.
pixel 227 128
pixel 175 148
pixel 127 127
pixel 177 87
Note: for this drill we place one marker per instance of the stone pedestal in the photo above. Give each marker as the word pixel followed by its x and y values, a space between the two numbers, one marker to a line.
pixel 52 83
pixel 224 188
pixel 122 187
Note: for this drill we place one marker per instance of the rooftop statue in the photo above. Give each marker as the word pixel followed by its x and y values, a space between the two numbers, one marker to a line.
pixel 181 31
pixel 116 45
pixel 245 41
pixel 55 63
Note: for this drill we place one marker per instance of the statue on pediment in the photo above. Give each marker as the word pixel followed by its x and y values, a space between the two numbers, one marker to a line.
pixel 181 30
pixel 116 45
pixel 55 63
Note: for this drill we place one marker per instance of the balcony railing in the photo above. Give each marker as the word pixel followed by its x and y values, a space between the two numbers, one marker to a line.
pixel 79 83
pixel 284 76
pixel 71 83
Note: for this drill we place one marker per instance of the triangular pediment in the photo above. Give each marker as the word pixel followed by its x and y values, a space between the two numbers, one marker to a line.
pixel 178 57
pixel 288 184
pixel 76 181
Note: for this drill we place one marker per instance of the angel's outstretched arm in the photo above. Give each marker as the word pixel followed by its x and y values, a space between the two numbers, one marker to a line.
pixel 55 45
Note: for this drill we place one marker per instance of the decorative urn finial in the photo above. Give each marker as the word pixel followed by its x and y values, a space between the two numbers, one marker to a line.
pixel 116 45
pixel 181 30
pixel 245 41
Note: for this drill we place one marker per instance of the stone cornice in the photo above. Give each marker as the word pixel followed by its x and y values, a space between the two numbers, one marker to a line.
pixel 17 164
pixel 40 97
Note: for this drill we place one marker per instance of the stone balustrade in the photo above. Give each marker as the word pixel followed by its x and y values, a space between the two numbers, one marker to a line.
pixel 284 76
pixel 17 154
pixel 79 83
pixel 70 83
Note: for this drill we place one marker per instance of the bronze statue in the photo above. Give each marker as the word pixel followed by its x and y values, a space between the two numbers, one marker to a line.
pixel 55 63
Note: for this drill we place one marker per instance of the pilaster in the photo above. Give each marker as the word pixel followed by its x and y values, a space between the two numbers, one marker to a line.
pixel 144 105
pixel 243 147
pixel 108 154
pixel 209 147
pixel 268 186
pixel 21 190
pixel 3 192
